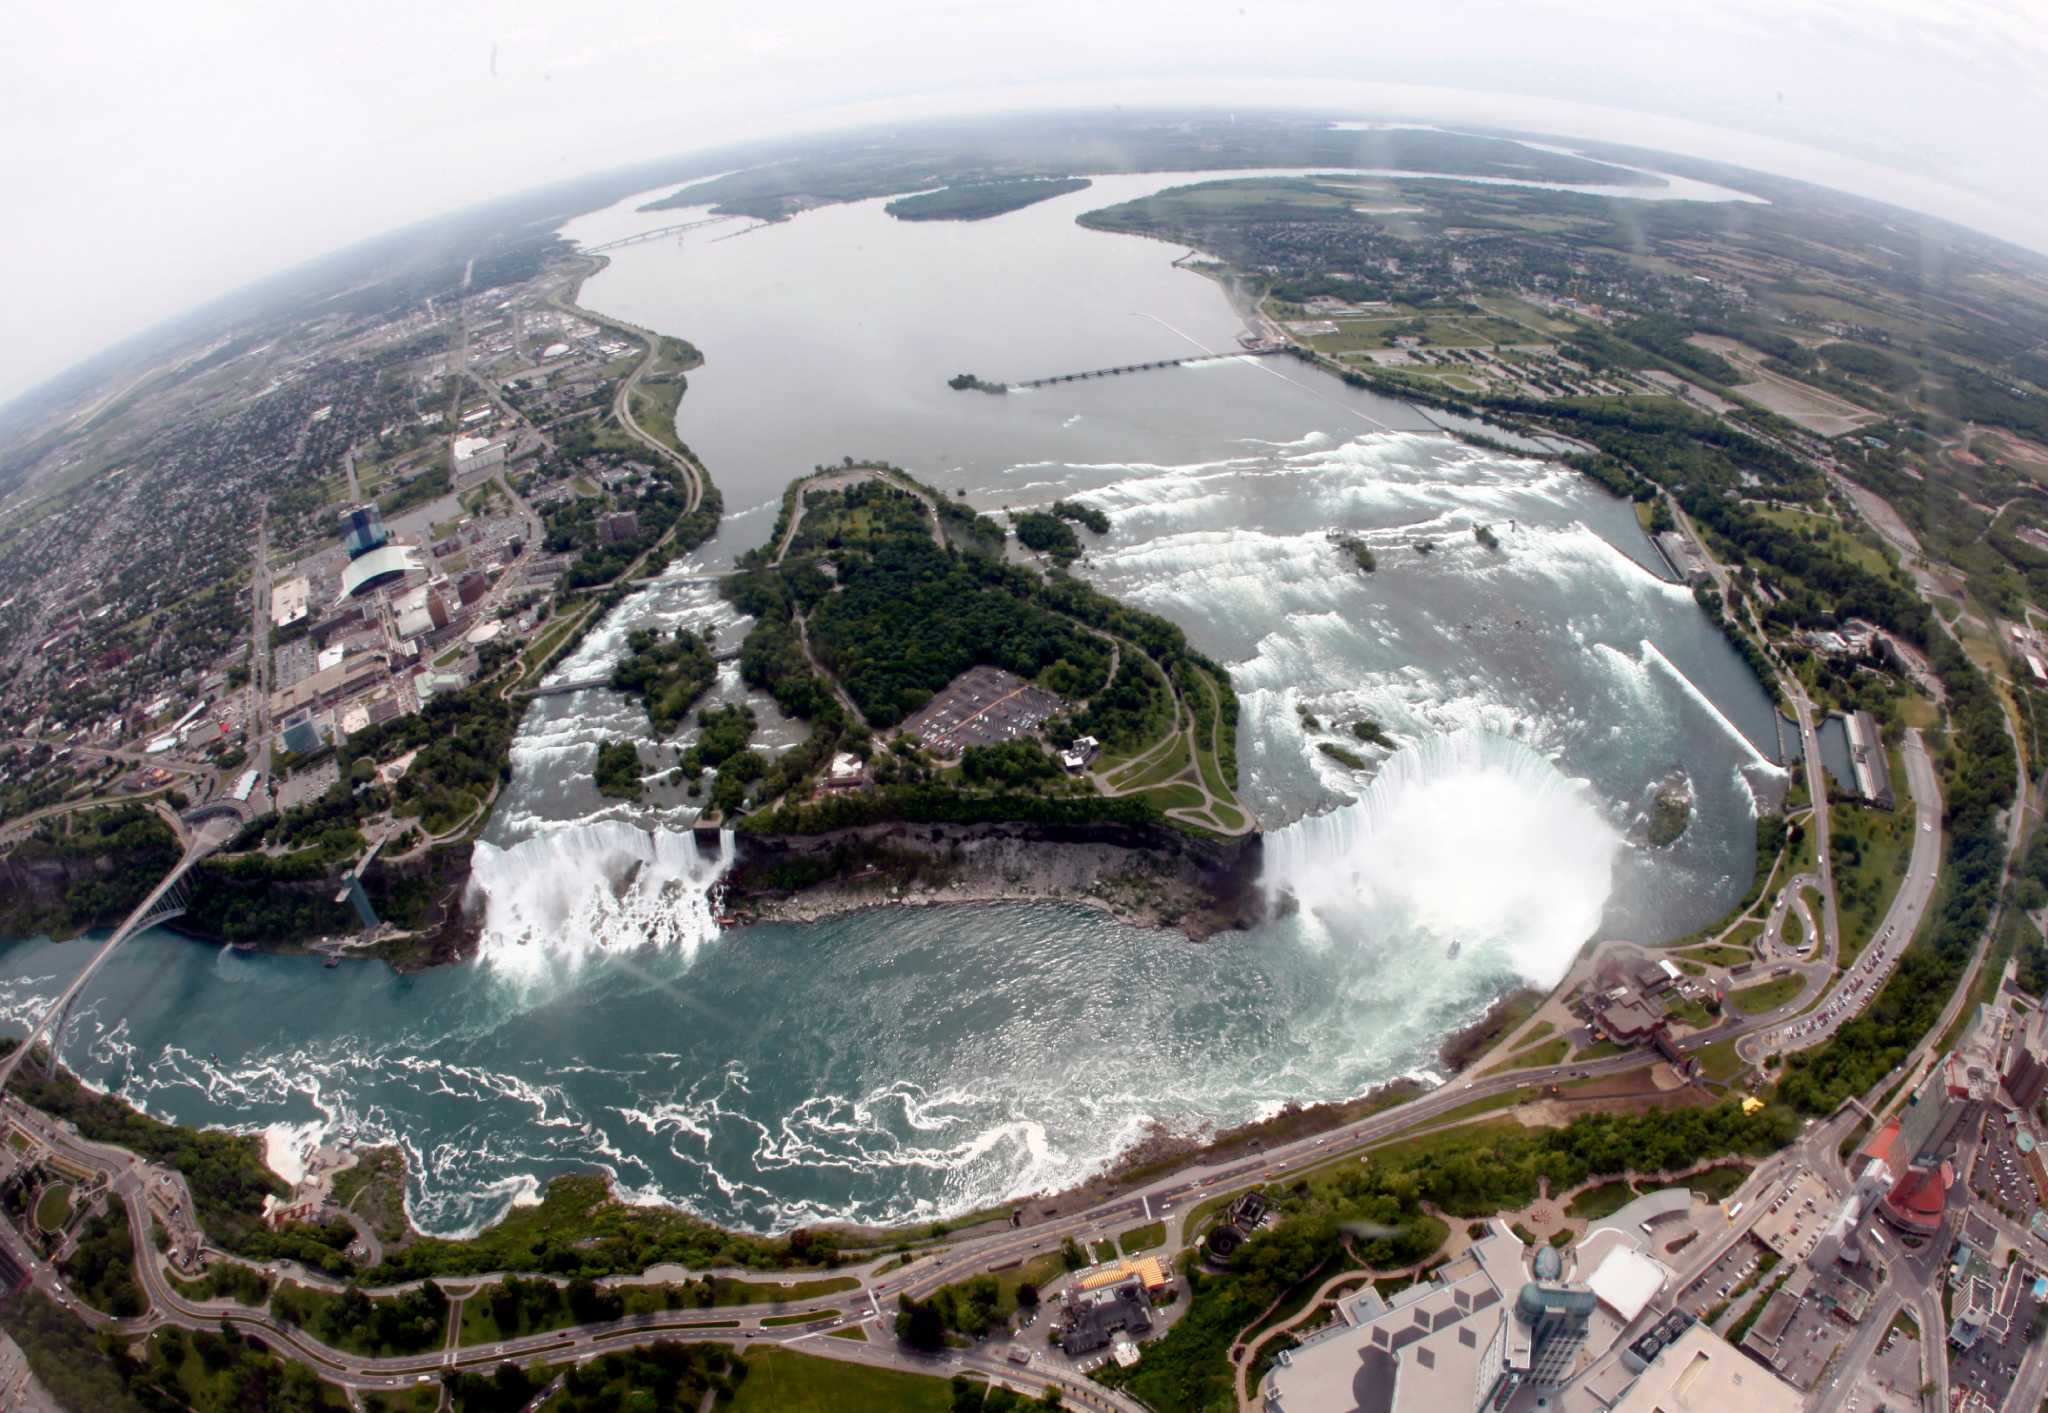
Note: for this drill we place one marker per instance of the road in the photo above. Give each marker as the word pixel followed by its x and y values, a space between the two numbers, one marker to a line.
pixel 1894 934
pixel 259 645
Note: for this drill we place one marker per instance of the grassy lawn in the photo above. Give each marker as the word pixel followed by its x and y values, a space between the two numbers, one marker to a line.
pixel 1174 797
pixel 1852 547
pixel 1715 954
pixel 1871 848
pixel 1143 1238
pixel 1765 995
pixel 1719 1184
pixel 1166 766
pixel 53 1208
pixel 1719 1061
pixel 1602 1201
pixel 852 1332
pixel 779 1381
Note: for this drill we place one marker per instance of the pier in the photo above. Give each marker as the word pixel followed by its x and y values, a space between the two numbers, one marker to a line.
pixel 1262 352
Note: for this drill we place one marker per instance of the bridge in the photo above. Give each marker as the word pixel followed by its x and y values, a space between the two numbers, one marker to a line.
pixel 164 902
pixel 1148 366
pixel 658 233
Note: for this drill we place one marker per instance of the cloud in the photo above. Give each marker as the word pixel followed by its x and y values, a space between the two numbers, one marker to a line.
pixel 159 155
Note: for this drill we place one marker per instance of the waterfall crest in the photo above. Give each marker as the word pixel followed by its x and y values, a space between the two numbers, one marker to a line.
pixel 1470 843
pixel 598 887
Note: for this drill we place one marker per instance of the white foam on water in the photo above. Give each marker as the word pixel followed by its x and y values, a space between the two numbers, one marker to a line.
pixel 1471 840
pixel 286 1148
pixel 596 887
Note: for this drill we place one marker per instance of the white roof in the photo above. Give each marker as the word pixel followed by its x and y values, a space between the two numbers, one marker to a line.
pixel 468 447
pixel 331 656
pixel 1670 970
pixel 554 350
pixel 487 632
pixel 1627 1281
pixel 387 559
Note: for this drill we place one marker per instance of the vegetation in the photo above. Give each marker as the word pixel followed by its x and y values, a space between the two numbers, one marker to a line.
pixel 1048 534
pixel 76 1366
pixel 406 1323
pixel 977 201
pixel 1670 813
pixel 667 674
pixel 1361 553
pixel 1349 759
pixel 618 770
pixel 665 1374
pixel 968 382
pixel 1087 516
pixel 101 1266
pixel 579 1229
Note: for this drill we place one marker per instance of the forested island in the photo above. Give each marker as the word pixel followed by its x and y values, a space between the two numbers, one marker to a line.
pixel 977 201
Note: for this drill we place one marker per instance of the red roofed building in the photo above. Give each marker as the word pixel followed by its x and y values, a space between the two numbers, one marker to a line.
pixel 1916 1202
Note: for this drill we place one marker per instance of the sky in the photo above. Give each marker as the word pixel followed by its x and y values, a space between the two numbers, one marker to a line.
pixel 155 156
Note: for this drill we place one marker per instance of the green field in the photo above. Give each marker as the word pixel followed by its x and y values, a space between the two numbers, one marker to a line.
pixel 779 1381
pixel 1870 848
pixel 1765 995
pixel 1601 1201
pixel 53 1208
pixel 1143 1238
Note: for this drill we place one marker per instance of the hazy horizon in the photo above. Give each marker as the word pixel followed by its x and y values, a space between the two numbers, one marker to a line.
pixel 223 147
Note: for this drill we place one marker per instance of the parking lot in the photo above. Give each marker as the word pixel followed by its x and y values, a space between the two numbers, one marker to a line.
pixel 1890 1383
pixel 1809 1342
pixel 1999 1173
pixel 1990 1365
pixel 980 707
pixel 1719 1280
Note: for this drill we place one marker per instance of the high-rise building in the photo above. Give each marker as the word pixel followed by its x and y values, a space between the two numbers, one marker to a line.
pixel 363 529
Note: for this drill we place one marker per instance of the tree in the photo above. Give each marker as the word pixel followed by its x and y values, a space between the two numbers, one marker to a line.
pixel 1027 1296
pixel 919 1325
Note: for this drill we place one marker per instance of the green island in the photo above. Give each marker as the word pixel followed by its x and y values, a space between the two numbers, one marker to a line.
pixel 969 382
pixel 977 201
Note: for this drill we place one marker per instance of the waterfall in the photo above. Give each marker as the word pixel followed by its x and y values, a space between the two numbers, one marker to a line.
pixel 597 887
pixel 1469 844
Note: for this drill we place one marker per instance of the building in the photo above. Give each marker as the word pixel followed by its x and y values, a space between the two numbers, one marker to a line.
pixel 1095 1317
pixel 1699 1372
pixel 379 567
pixel 2026 1062
pixel 1470 1337
pixel 362 529
pixel 474 455
pixel 1915 1144
pixel 1684 557
pixel 1626 1017
pixel 1867 756
pixel 618 527
pixel 471 587
pixel 290 601
pixel 302 734
pixel 1146 1268
pixel 845 772
pixel 1076 758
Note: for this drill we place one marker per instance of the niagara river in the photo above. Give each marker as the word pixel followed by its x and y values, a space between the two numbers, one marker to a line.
pixel 902 1064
